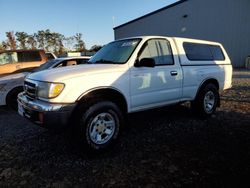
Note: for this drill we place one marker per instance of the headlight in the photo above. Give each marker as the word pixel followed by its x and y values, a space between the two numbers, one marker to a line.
pixel 49 90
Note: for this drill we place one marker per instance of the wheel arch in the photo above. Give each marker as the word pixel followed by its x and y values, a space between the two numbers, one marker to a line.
pixel 107 93
pixel 16 88
pixel 205 83
pixel 12 93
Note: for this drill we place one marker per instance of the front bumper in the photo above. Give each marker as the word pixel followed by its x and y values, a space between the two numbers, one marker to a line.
pixel 49 115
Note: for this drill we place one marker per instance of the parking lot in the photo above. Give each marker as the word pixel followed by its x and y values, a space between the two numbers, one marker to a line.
pixel 167 147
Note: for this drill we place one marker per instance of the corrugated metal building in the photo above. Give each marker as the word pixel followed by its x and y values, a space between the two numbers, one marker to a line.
pixel 224 21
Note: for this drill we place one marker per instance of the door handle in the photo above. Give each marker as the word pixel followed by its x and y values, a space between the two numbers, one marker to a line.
pixel 174 73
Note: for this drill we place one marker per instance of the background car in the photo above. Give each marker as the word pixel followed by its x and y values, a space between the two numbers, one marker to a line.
pixel 50 55
pixel 16 61
pixel 12 85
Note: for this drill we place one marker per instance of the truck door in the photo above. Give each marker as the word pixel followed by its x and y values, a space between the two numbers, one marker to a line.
pixel 159 85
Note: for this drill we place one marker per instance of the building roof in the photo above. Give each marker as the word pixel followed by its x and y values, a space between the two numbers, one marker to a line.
pixel 154 12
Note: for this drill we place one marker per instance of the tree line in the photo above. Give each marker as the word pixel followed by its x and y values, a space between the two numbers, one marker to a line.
pixel 47 40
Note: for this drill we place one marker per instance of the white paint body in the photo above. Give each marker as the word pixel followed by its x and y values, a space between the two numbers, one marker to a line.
pixel 144 87
pixel 8 83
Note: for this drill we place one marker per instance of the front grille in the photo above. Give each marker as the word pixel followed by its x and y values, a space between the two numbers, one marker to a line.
pixel 30 89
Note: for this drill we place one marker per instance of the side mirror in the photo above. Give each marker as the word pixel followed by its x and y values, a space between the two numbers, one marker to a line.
pixel 145 62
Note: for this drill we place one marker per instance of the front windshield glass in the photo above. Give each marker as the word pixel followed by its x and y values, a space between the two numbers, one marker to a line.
pixel 117 52
pixel 46 65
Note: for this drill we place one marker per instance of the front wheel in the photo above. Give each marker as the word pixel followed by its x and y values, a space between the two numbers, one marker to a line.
pixel 99 125
pixel 206 101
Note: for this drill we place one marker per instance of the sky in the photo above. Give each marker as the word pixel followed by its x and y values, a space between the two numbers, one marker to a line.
pixel 95 19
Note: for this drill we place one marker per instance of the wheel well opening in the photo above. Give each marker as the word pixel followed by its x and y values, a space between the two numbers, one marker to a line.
pixel 211 81
pixel 107 94
pixel 11 97
pixel 15 90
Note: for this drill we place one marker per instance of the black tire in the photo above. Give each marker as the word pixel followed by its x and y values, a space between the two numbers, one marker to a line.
pixel 206 101
pixel 88 120
pixel 11 99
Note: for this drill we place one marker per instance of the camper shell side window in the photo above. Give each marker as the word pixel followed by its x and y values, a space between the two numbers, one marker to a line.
pixel 203 52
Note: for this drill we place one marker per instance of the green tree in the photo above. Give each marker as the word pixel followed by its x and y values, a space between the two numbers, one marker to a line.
pixel 31 41
pixel 22 38
pixel 80 45
pixel 50 41
pixel 40 38
pixel 5 45
pixel 47 40
pixel 2 46
pixel 61 49
pixel 11 41
pixel 95 48
pixel 57 43
pixel 68 43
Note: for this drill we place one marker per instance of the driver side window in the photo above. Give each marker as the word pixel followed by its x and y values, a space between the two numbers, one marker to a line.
pixel 159 50
pixel 149 50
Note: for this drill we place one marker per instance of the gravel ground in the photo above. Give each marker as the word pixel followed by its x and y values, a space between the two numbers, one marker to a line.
pixel 169 148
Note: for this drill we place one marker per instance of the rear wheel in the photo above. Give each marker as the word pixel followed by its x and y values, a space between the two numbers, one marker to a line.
pixel 206 101
pixel 98 125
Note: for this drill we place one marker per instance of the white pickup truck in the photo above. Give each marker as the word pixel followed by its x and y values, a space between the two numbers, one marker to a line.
pixel 126 76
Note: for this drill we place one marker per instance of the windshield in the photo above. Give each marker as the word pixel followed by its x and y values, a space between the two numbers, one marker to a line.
pixel 46 65
pixel 117 52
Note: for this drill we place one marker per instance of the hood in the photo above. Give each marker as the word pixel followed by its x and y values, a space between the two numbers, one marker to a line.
pixel 65 73
pixel 13 77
